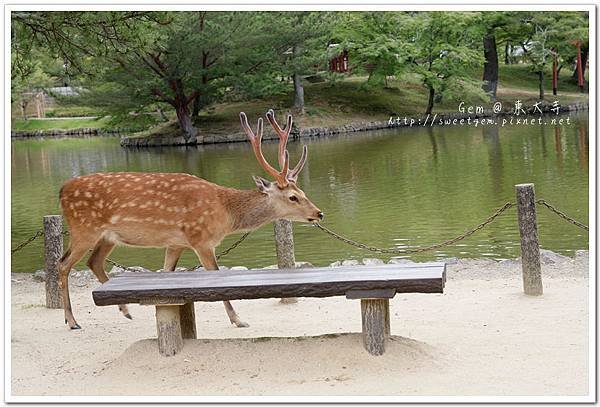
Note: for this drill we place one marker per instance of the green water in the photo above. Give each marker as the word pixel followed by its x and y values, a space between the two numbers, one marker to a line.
pixel 392 188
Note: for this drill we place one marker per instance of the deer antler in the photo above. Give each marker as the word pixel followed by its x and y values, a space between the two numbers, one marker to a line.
pixel 255 139
pixel 283 137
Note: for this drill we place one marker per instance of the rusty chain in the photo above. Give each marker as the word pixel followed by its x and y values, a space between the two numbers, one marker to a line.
pixel 218 256
pixel 26 242
pixel 354 243
pixel 121 266
pixel 562 214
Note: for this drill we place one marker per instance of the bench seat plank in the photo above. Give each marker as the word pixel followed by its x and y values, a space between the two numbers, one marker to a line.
pixel 273 283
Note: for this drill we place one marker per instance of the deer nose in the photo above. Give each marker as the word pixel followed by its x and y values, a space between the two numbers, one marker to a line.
pixel 321 215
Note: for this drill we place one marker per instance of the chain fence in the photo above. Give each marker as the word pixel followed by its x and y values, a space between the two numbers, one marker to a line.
pixel 354 243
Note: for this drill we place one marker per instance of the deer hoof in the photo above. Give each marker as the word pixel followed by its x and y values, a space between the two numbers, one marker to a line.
pixel 128 316
pixel 76 326
pixel 241 324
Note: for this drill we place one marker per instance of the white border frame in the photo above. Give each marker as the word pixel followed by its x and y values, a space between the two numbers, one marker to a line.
pixel 246 5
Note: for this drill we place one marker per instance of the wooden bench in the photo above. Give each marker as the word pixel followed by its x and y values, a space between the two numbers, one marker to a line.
pixel 172 292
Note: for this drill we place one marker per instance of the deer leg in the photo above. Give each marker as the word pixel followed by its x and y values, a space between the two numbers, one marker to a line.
pixel 172 255
pixel 96 264
pixel 73 254
pixel 209 261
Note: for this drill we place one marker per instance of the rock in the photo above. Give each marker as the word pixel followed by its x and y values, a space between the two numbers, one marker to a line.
pixel 400 261
pixel 448 260
pixel 549 257
pixel 372 261
pixel 134 269
pixel 39 276
pixel 239 268
pixel 335 264
pixel 510 262
pixel 582 256
pixel 271 267
pixel 350 263
pixel 116 270
pixel 303 265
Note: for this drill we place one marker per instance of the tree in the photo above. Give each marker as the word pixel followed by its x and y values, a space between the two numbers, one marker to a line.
pixel 142 59
pixel 305 36
pixel 441 46
pixel 375 39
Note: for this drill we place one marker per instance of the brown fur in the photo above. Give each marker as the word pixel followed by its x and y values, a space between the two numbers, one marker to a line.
pixel 174 211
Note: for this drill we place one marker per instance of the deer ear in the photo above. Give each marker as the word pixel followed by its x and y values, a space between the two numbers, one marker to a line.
pixel 263 185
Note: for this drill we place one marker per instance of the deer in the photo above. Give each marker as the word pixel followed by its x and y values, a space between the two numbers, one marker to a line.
pixel 176 211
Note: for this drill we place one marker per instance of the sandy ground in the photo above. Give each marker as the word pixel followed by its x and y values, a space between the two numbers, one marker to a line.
pixel 481 337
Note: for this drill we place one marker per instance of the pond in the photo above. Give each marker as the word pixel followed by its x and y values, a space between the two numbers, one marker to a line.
pixel 403 187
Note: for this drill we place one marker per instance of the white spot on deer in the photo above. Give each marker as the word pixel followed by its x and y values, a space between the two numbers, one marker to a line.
pixel 162 207
pixel 131 219
pixel 114 219
pixel 71 206
pixel 137 179
pixel 94 214
pixel 88 194
pixel 100 203
pixel 132 204
pixel 149 218
pixel 127 185
pixel 143 206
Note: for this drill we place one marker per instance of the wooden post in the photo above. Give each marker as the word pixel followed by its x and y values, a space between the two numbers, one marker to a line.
pixel 375 324
pixel 284 246
pixel 53 250
pixel 168 329
pixel 187 319
pixel 530 247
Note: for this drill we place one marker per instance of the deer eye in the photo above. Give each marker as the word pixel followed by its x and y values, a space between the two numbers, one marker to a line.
pixel 293 198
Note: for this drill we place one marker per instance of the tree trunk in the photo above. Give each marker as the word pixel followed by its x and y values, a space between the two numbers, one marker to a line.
pixel 181 104
pixel 298 89
pixel 541 77
pixel 24 110
pixel 196 106
pixel 507 52
pixel 431 100
pixel 490 67
pixel 584 58
pixel 185 122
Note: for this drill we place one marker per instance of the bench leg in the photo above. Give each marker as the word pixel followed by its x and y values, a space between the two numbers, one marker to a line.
pixel 168 328
pixel 375 324
pixel 187 318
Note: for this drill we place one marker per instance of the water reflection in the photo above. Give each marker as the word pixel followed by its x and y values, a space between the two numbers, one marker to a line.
pixel 393 188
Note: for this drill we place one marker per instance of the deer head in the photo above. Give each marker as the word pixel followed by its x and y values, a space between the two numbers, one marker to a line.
pixel 286 198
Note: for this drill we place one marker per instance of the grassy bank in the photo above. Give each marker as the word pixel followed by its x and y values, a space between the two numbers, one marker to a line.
pixel 58 124
pixel 351 101
pixel 334 104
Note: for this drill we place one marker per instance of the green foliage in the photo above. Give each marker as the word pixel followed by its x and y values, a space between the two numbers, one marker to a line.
pixel 191 61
